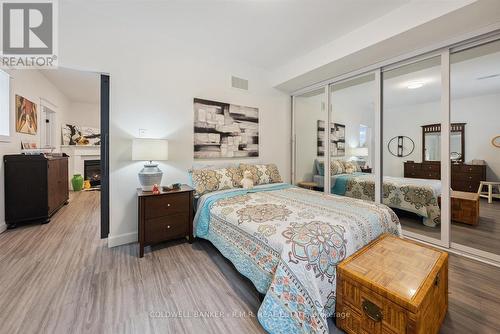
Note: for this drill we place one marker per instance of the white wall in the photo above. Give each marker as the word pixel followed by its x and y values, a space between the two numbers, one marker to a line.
pixel 353 106
pixel 155 74
pixel 83 114
pixel 32 85
pixel 483 123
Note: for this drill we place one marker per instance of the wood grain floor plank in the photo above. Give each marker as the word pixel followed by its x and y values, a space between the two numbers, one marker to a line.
pixel 484 236
pixel 61 278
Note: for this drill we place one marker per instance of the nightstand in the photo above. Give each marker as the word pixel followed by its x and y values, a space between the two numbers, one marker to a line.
pixel 308 185
pixel 366 170
pixel 164 217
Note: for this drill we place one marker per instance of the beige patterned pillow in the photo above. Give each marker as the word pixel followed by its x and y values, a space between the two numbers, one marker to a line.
pixel 262 174
pixel 337 167
pixel 351 167
pixel 208 180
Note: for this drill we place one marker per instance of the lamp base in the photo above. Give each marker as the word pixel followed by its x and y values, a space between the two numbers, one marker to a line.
pixel 149 176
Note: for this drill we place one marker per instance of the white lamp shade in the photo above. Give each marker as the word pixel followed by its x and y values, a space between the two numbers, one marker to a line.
pixel 359 152
pixel 149 149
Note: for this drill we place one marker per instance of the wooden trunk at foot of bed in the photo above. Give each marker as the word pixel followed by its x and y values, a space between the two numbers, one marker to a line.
pixel 393 286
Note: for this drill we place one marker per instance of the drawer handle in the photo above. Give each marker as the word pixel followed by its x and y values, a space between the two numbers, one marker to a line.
pixel 372 311
pixel 168 226
pixel 168 204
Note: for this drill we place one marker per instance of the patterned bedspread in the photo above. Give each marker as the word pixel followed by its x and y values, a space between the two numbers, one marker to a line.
pixel 288 242
pixel 414 195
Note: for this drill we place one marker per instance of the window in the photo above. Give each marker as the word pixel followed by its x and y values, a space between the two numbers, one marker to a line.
pixel 363 129
pixel 4 106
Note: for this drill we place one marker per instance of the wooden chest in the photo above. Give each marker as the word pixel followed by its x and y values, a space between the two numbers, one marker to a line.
pixel 464 207
pixel 393 286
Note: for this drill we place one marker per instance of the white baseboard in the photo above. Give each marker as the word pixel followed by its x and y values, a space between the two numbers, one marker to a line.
pixel 122 239
pixel 3 227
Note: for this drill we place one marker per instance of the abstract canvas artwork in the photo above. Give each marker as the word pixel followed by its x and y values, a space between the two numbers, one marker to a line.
pixel 26 116
pixel 337 139
pixel 80 135
pixel 223 130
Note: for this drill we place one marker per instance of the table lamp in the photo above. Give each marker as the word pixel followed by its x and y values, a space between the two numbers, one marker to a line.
pixel 358 152
pixel 150 150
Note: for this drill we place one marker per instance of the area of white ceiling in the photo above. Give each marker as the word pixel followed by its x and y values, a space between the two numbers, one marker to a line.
pixel 414 26
pixel 264 34
pixel 78 86
pixel 268 34
pixel 473 75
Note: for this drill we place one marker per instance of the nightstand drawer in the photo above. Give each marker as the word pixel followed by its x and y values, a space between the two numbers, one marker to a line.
pixel 164 205
pixel 165 216
pixel 166 228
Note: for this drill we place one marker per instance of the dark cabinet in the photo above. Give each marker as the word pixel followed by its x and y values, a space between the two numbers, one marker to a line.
pixel 36 186
pixel 164 217
pixel 464 177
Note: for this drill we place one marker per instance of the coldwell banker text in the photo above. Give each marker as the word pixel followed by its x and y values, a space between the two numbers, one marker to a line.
pixel 29 38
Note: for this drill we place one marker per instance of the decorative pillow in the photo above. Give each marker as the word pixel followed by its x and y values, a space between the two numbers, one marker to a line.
pixel 320 167
pixel 262 174
pixel 337 167
pixel 351 167
pixel 208 180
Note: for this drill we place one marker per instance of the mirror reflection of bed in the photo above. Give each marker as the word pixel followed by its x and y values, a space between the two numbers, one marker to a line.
pixel 412 145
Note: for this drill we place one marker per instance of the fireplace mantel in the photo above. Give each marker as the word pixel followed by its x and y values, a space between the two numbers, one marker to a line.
pixel 77 155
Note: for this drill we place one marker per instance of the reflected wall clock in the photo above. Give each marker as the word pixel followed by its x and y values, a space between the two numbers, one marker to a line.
pixel 401 146
pixel 496 141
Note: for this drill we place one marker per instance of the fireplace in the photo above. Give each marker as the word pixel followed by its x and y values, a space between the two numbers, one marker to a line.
pixel 92 172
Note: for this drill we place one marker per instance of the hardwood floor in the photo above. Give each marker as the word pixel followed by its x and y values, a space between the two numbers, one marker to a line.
pixel 61 278
pixel 484 236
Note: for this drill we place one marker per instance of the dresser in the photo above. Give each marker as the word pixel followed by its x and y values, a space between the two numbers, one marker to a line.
pixel 36 186
pixel 165 217
pixel 464 177
pixel 393 286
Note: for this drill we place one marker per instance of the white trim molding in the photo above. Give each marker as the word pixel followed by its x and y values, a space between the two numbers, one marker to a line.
pixel 122 239
pixel 3 227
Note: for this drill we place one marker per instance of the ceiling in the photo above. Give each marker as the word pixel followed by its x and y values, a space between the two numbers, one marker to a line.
pixel 268 34
pixel 469 77
pixel 458 20
pixel 77 86
pixel 262 33
pixel 474 72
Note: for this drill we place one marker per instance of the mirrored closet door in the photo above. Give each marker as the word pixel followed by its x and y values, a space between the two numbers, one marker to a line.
pixel 475 156
pixel 411 151
pixel 310 118
pixel 421 135
pixel 352 140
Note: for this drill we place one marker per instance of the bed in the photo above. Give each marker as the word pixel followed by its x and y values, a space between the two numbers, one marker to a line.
pixel 418 196
pixel 288 242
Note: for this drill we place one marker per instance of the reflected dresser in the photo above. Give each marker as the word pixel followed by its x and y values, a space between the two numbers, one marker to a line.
pixel 464 177
pixel 393 286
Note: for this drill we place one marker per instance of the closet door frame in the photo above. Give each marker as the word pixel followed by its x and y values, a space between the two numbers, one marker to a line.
pixel 444 49
pixel 293 173
pixel 444 55
pixel 464 250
